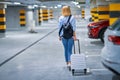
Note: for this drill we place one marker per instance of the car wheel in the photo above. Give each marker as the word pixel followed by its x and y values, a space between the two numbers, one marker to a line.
pixel 116 77
pixel 102 35
pixel 90 19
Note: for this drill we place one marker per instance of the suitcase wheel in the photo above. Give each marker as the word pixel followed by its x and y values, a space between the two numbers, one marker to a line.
pixel 73 72
pixel 85 71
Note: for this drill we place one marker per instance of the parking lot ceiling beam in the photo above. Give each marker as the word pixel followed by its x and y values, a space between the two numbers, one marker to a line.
pixel 54 0
pixel 26 2
pixel 57 4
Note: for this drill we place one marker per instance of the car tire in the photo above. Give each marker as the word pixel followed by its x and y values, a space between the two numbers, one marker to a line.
pixel 90 19
pixel 116 77
pixel 102 35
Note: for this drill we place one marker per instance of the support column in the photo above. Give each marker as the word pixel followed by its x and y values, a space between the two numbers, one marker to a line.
pixel 22 18
pixel 30 20
pixel 39 16
pixel 114 9
pixel 44 14
pixel 83 13
pixel 35 13
pixel 51 14
pixel 94 14
pixel 2 20
pixel 103 9
pixel 103 12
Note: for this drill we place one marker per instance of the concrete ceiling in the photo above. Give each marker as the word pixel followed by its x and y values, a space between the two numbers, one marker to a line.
pixel 47 3
pixel 55 0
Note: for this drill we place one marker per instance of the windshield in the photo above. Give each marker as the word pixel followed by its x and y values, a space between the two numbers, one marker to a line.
pixel 115 26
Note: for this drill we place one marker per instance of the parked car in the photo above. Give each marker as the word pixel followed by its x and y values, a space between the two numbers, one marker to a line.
pixel 96 29
pixel 88 18
pixel 110 53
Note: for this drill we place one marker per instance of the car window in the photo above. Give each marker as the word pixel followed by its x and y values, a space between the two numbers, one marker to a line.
pixel 115 26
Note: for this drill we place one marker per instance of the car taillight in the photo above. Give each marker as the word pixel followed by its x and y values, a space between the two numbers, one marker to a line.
pixel 114 39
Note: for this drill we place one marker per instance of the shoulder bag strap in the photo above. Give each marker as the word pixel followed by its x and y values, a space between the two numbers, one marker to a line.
pixel 69 19
pixel 60 30
pixel 62 26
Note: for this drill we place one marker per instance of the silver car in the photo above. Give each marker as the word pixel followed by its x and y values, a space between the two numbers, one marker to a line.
pixel 110 53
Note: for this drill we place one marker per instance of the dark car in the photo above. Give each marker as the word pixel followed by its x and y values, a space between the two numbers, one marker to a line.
pixel 96 29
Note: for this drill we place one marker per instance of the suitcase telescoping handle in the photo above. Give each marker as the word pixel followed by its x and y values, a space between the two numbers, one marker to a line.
pixel 78 46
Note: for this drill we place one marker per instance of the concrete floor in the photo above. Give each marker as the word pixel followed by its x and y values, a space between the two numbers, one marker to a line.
pixel 40 55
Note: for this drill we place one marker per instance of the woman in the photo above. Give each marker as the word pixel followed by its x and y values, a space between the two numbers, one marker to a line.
pixel 67 43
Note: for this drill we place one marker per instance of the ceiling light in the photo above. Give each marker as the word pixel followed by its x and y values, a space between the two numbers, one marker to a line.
pixel 16 3
pixel 78 6
pixel 43 6
pixel 59 6
pixel 55 7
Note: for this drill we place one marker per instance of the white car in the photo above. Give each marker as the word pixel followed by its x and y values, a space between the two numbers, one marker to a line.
pixel 110 53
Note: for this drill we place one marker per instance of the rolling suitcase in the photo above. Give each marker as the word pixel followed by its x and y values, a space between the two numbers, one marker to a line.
pixel 78 61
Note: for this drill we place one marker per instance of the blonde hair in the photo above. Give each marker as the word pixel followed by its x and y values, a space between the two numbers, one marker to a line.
pixel 66 11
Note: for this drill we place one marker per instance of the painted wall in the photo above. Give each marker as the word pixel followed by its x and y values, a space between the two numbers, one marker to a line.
pixel 12 17
pixel 57 12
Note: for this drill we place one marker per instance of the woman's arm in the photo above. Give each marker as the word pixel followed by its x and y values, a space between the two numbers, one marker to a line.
pixel 73 22
pixel 59 26
pixel 74 35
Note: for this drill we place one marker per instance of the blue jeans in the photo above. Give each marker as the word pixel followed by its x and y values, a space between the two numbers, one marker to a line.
pixel 68 44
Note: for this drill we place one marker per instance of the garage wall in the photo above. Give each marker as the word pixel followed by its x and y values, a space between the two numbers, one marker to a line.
pixel 12 17
pixel 57 12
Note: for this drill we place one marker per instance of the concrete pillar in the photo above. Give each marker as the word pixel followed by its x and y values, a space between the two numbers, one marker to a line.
pixel 30 20
pixel 39 16
pixel 114 9
pixel 94 13
pixel 93 4
pixel 2 20
pixel 35 16
pixel 44 14
pixel 103 9
pixel 103 12
pixel 22 18
pixel 101 2
pixel 51 14
pixel 83 13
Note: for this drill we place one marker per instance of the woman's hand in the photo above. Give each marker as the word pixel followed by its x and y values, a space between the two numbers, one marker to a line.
pixel 60 38
pixel 75 38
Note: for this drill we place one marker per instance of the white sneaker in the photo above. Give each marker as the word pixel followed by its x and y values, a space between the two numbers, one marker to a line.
pixel 69 67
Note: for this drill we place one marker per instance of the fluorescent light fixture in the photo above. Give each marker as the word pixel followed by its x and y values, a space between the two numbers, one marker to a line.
pixel 55 7
pixel 43 6
pixel 51 7
pixel 59 6
pixel 16 3
pixel 35 5
pixel 76 3
pixel 6 2
pixel 78 6
pixel 30 7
